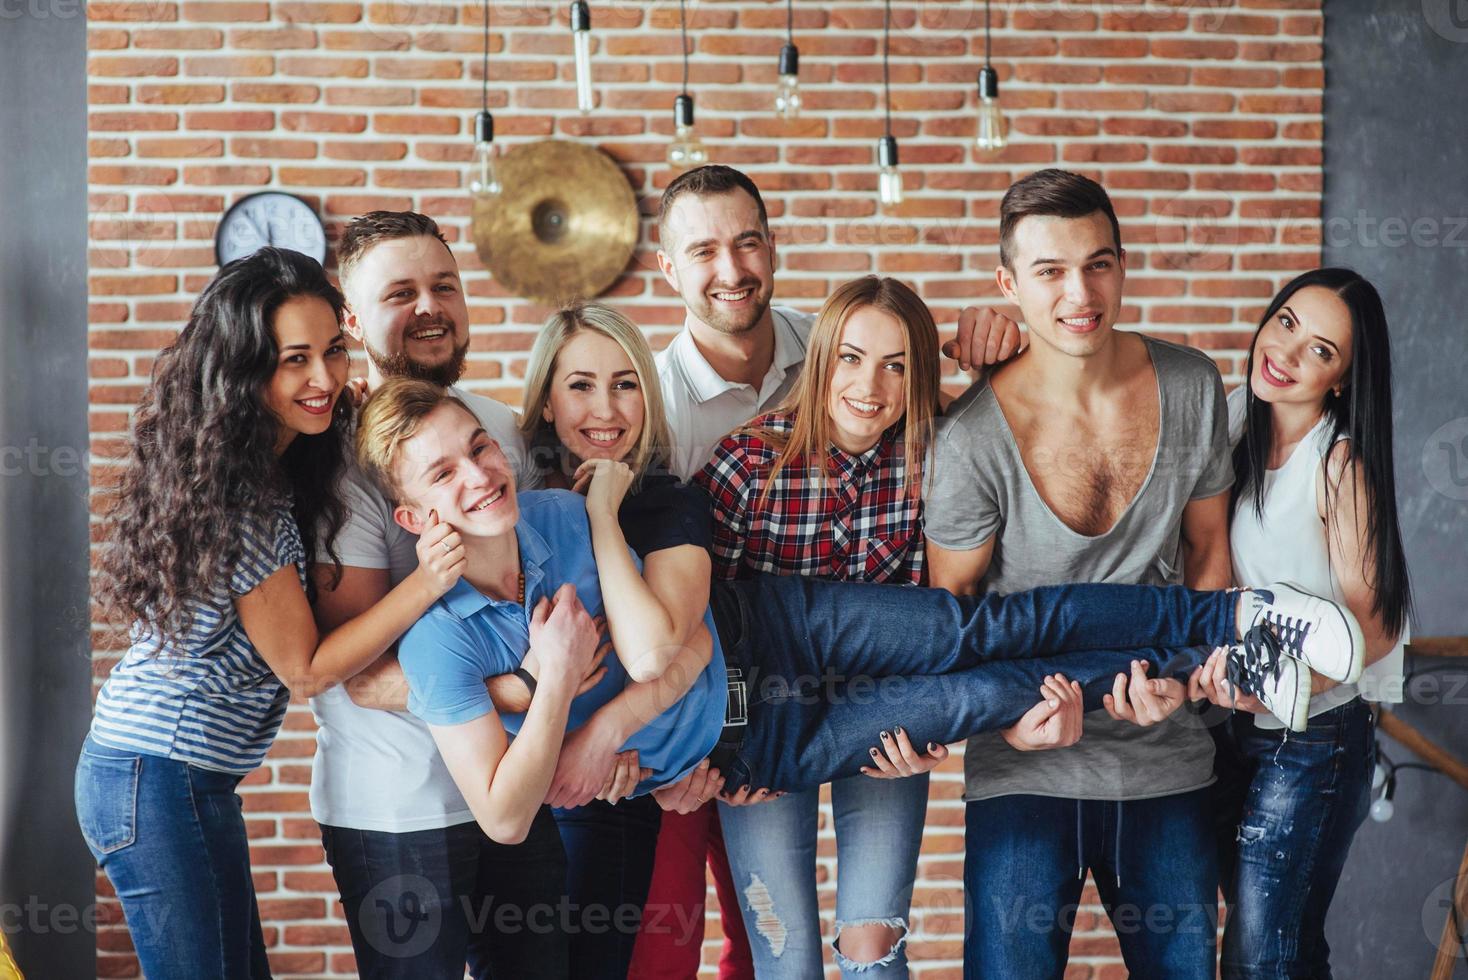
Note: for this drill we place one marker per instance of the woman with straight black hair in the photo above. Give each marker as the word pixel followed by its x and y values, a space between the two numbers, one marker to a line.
pixel 228 494
pixel 1314 503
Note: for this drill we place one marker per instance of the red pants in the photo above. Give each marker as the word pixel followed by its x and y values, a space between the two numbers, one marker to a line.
pixel 669 946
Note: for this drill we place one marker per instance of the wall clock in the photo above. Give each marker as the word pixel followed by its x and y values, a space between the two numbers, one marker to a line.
pixel 269 218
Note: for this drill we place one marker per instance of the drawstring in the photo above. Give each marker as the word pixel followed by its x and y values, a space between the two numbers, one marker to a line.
pixel 1117 857
pixel 1080 849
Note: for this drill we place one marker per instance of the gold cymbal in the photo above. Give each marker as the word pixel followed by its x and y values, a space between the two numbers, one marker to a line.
pixel 565 225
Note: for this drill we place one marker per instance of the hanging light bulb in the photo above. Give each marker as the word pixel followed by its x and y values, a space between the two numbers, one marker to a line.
pixel 889 180
pixel 1382 809
pixel 787 95
pixel 686 150
pixel 993 129
pixel 484 180
pixel 581 36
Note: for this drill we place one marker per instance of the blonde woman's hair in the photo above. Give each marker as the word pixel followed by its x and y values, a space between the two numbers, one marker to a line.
pixel 654 442
pixel 391 417
pixel 811 432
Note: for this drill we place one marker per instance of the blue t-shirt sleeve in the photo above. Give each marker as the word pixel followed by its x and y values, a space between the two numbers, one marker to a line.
pixel 445 668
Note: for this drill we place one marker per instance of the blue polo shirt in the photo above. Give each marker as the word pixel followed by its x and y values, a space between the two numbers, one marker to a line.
pixel 467 637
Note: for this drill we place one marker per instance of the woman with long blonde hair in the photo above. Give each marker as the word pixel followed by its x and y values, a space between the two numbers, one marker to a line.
pixel 830 485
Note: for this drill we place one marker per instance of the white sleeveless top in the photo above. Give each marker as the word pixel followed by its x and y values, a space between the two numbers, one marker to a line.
pixel 1287 544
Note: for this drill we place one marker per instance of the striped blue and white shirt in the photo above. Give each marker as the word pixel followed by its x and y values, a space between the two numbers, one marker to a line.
pixel 207 699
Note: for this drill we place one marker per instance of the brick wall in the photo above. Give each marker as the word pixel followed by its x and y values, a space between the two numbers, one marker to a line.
pixel 1203 119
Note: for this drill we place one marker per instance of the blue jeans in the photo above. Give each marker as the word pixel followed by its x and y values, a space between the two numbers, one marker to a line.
pixel 609 858
pixel 772 854
pixel 419 904
pixel 1152 862
pixel 829 664
pixel 171 838
pixel 1288 809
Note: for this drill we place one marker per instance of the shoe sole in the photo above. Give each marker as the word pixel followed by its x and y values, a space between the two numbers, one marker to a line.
pixel 1353 630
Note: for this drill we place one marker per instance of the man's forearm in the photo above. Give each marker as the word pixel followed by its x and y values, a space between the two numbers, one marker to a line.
pixel 638 704
pixel 520 782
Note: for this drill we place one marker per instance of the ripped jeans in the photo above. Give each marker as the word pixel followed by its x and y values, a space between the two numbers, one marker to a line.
pixel 772 853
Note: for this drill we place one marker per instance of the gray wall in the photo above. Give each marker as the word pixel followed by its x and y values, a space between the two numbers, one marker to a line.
pixel 1396 209
pixel 45 870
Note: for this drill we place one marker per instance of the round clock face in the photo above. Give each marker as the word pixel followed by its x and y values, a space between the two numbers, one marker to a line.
pixel 269 218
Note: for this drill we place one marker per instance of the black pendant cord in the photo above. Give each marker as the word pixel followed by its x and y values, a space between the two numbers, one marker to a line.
pixel 789 21
pixel 683 30
pixel 484 91
pixel 986 33
pixel 886 74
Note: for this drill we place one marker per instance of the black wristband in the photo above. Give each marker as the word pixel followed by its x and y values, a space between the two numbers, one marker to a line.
pixel 528 678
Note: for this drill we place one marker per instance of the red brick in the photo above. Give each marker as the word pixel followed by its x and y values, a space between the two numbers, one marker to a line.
pixel 269 148
pixel 232 12
pixel 420 124
pixel 231 120
pixel 272 38
pixel 365 150
pixel 180 94
pixel 190 38
pixel 230 66
pixel 181 147
pixel 227 174
pixel 275 93
pixel 128 66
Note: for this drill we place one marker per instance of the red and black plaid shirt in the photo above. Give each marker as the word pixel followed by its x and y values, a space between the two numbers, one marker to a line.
pixel 858 523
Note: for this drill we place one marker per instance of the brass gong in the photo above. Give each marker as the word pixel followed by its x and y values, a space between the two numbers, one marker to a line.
pixel 564 226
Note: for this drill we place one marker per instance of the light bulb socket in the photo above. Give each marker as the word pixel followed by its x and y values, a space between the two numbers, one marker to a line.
pixel 483 127
pixel 580 16
pixel 683 110
pixel 988 82
pixel 887 151
pixel 789 60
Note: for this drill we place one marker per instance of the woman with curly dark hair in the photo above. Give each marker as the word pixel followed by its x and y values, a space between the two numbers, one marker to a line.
pixel 229 493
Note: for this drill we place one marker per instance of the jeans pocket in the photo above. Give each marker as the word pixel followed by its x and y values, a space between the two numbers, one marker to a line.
pixel 107 800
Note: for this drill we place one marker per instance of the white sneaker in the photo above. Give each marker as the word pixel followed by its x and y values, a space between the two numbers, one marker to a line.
pixel 1322 633
pixel 1257 666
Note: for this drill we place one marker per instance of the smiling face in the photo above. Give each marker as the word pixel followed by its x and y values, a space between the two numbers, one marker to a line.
pixel 451 467
pixel 718 255
pixel 406 305
pixel 868 391
pixel 595 400
pixel 1067 278
pixel 310 369
pixel 1304 350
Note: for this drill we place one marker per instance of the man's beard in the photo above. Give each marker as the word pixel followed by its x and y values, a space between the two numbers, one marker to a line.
pixel 733 324
pixel 399 365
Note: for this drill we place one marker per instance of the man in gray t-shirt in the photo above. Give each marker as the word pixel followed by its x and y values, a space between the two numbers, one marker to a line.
pixel 1095 456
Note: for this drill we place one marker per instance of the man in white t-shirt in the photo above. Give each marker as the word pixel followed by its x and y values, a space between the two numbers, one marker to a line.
pixel 736 357
pixel 421 884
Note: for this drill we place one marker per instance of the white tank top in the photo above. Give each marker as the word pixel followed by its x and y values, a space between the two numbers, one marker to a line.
pixel 1286 543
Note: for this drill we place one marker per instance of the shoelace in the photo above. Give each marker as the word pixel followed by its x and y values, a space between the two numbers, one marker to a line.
pixel 1261 659
pixel 1290 631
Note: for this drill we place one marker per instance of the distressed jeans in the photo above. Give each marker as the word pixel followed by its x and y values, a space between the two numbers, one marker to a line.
pixel 772 853
pixel 829 665
pixel 1288 809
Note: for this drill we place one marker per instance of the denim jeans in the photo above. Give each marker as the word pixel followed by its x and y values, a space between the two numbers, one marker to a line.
pixel 609 855
pixel 171 838
pixel 1152 861
pixel 1288 809
pixel 829 664
pixel 772 852
pixel 420 904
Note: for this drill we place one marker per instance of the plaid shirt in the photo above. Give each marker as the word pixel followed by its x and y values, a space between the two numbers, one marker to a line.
pixel 858 524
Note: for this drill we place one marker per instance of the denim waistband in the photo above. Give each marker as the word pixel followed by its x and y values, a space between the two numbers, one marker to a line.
pixel 730 609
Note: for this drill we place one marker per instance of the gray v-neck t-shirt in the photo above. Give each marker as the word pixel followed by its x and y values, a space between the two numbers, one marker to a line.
pixel 980 488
